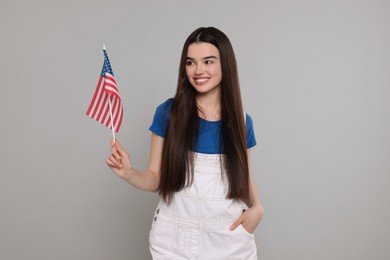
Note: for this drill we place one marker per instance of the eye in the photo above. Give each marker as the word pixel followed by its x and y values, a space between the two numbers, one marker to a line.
pixel 208 62
pixel 189 62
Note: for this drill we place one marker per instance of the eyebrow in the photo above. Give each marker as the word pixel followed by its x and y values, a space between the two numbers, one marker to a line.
pixel 205 58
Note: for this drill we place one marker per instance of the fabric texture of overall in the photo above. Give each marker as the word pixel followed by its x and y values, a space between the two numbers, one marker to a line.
pixel 196 223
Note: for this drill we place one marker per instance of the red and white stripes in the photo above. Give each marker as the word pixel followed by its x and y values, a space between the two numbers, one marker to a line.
pixel 99 108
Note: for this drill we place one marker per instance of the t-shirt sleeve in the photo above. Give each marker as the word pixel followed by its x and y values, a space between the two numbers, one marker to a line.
pixel 161 117
pixel 250 133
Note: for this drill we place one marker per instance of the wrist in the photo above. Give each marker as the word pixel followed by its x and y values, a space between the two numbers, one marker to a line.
pixel 128 174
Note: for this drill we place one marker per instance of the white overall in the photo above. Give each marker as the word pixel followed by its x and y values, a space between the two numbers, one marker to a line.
pixel 195 225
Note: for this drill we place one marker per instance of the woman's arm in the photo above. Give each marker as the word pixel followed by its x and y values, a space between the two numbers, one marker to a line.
pixel 120 163
pixel 250 219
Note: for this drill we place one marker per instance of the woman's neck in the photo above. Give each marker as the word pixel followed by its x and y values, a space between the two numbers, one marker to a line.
pixel 209 106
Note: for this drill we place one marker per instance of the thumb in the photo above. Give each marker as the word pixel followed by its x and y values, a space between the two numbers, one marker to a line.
pixel 119 148
pixel 112 142
pixel 115 144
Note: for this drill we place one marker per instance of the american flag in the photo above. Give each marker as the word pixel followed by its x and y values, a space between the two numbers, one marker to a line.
pixel 106 97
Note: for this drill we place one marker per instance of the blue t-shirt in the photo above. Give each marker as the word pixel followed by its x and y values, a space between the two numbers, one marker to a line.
pixel 209 131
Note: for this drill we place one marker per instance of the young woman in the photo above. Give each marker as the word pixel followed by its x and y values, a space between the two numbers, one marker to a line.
pixel 199 160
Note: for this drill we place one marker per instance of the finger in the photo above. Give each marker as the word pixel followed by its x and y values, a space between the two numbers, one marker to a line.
pixel 236 224
pixel 109 163
pixel 119 149
pixel 113 165
pixel 115 153
pixel 114 161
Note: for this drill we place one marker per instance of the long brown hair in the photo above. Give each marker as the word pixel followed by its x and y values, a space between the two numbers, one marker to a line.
pixel 183 126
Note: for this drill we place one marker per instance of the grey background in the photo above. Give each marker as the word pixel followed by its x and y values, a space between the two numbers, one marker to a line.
pixel 314 76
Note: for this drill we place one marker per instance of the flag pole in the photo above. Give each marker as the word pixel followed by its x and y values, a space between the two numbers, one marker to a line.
pixel 112 122
pixel 109 103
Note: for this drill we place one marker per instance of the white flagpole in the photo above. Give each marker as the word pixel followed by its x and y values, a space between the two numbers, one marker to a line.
pixel 112 122
pixel 109 103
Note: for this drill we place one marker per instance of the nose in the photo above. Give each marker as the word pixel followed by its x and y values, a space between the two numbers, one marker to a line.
pixel 199 70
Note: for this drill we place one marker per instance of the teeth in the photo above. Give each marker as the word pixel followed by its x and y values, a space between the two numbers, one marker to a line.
pixel 201 80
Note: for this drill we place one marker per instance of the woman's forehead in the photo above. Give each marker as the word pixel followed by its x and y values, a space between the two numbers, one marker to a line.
pixel 198 50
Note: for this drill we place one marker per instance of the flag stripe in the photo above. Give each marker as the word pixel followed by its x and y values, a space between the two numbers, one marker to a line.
pixel 112 91
pixel 115 111
pixel 110 87
pixel 94 97
pixel 110 77
pixel 102 108
pixel 98 103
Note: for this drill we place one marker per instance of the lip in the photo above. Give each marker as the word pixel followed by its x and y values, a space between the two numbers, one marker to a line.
pixel 201 80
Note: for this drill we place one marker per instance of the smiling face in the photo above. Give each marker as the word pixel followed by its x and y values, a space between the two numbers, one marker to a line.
pixel 203 67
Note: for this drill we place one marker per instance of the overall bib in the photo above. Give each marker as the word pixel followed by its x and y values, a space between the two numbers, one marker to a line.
pixel 195 224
